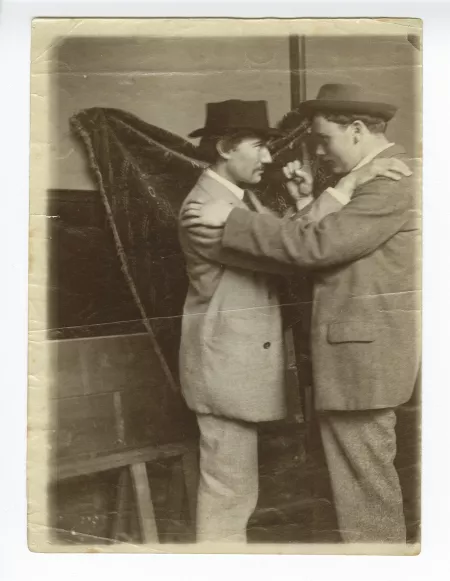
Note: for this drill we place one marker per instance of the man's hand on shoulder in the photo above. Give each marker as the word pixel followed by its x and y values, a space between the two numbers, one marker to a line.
pixel 388 167
pixel 212 214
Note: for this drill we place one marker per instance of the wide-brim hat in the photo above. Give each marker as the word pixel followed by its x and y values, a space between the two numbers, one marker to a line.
pixel 235 115
pixel 350 99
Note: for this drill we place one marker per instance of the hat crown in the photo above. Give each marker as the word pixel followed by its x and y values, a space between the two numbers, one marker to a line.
pixel 340 92
pixel 347 99
pixel 235 114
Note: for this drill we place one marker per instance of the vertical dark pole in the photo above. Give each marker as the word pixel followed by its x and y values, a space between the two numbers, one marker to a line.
pixel 297 66
pixel 303 68
pixel 294 66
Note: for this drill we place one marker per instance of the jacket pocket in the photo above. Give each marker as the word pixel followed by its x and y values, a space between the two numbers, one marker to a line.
pixel 352 332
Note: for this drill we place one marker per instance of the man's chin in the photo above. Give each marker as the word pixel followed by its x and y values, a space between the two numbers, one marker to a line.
pixel 330 166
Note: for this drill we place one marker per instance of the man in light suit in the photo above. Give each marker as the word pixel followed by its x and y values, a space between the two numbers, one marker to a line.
pixel 365 321
pixel 231 355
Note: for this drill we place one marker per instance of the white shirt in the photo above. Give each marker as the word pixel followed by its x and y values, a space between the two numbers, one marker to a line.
pixel 342 197
pixel 237 191
pixel 372 155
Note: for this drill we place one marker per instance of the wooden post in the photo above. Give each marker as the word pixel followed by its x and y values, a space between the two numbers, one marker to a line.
pixel 145 508
pixel 297 66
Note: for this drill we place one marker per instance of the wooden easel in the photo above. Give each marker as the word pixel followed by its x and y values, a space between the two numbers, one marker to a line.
pixel 105 385
pixel 183 482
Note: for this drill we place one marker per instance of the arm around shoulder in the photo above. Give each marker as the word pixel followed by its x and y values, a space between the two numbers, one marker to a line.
pixel 376 212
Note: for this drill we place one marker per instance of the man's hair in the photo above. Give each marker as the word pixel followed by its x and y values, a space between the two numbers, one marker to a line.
pixel 373 123
pixel 230 140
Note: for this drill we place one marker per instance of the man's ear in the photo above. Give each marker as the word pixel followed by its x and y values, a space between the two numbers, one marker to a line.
pixel 222 149
pixel 358 130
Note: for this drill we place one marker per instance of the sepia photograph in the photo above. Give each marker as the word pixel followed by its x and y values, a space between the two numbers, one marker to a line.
pixel 225 286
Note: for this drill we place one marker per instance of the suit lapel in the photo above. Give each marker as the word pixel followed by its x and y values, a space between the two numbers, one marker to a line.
pixel 254 203
pixel 219 191
pixel 391 151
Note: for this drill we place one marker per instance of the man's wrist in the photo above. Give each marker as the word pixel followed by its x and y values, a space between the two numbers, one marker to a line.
pixel 303 202
pixel 343 190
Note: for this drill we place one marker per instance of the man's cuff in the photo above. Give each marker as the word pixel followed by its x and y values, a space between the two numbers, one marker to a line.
pixel 303 202
pixel 238 221
pixel 342 197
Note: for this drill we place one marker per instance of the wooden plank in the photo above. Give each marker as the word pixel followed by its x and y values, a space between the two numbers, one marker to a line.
pixel 120 519
pixel 96 365
pixel 294 403
pixel 118 416
pixel 145 417
pixel 120 420
pixel 89 464
pixel 151 420
pixel 302 68
pixel 144 501
pixel 294 66
pixel 191 477
pixel 85 424
pixel 97 330
pixel 297 66
pixel 175 498
pixel 82 505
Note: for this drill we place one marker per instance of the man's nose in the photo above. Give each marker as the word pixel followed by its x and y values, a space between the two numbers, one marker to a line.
pixel 265 155
pixel 320 149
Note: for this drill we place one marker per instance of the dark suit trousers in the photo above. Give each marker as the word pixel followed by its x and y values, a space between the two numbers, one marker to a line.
pixel 360 449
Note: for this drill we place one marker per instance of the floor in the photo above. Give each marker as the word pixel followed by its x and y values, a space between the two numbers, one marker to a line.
pixel 294 505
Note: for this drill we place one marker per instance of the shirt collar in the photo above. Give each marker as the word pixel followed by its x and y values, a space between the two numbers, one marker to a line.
pixel 372 155
pixel 237 191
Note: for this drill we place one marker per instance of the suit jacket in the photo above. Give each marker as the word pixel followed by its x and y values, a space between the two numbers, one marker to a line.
pixel 232 360
pixel 366 306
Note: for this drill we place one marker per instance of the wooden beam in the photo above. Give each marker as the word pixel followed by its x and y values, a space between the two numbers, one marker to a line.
pixel 146 512
pixel 294 66
pixel 92 464
pixel 303 68
pixel 297 66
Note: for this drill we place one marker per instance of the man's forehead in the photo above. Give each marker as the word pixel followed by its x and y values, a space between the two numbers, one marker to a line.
pixel 252 140
pixel 320 125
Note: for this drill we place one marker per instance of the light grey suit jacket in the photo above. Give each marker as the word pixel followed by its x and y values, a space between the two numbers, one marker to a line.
pixel 232 361
pixel 366 307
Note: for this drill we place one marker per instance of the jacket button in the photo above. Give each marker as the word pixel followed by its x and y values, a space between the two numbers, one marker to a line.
pixel 266 345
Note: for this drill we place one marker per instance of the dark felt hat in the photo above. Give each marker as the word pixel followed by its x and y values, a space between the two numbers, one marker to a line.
pixel 226 116
pixel 342 98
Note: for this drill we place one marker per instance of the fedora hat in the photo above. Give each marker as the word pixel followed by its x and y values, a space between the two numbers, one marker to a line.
pixel 342 98
pixel 226 116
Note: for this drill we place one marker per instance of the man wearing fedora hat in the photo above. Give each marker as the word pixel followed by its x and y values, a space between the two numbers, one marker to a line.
pixel 365 322
pixel 231 353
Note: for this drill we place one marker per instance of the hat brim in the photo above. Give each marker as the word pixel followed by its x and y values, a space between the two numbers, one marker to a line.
pixel 384 110
pixel 205 132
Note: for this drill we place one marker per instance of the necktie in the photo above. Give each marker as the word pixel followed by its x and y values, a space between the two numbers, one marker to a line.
pixel 248 201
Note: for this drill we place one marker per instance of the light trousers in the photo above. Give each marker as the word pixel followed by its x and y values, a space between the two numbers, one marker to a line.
pixel 228 485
